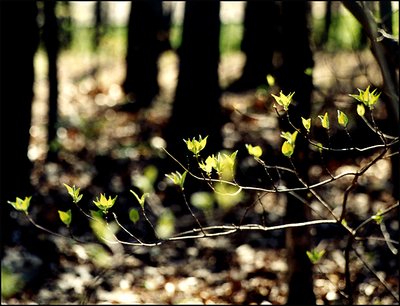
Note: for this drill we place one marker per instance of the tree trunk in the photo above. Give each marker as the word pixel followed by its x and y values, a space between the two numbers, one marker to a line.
pixel 196 109
pixel 260 17
pixel 51 42
pixel 297 56
pixel 145 23
pixel 19 41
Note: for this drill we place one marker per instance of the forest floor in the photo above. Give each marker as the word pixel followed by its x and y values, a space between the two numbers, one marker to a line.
pixel 101 150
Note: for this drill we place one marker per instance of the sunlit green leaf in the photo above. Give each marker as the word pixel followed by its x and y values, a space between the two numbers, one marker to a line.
pixel 255 151
pixel 141 199
pixel 65 217
pixel 103 231
pixel 368 98
pixel 361 110
pixel 74 193
pixel 290 137
pixel 342 118
pixel 21 205
pixel 103 203
pixel 208 165
pixel 306 123
pixel 324 120
pixel 227 196
pixel 287 149
pixel 270 80
pixel 283 100
pixel 195 146
pixel 177 178
pixel 315 256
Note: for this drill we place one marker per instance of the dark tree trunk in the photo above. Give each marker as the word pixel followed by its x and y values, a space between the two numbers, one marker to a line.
pixel 196 109
pixel 19 41
pixel 144 47
pixel 65 22
pixel 100 13
pixel 260 17
pixel 327 23
pixel 51 42
pixel 297 56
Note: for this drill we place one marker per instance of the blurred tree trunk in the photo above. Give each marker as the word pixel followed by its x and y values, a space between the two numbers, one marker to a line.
pixel 259 17
pixel 100 27
pixel 144 47
pixel 51 43
pixel 297 57
pixel 196 109
pixel 327 23
pixel 19 41
pixel 65 22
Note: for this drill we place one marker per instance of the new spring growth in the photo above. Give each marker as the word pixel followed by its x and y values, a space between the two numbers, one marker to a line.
pixel 208 165
pixel 315 256
pixel 289 144
pixel 306 123
pixel 283 100
pixel 74 193
pixel 21 205
pixel 103 203
pixel 195 146
pixel 342 118
pixel 367 98
pixel 324 120
pixel 65 217
pixel 141 199
pixel 254 151
pixel 177 178
pixel 360 110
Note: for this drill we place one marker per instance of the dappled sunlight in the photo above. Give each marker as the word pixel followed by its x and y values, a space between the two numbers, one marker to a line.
pixel 241 256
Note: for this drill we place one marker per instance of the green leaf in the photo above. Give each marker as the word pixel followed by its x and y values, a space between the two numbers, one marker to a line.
pixel 324 120
pixel 195 146
pixel 165 224
pixel 366 97
pixel 270 80
pixel 208 165
pixel 21 205
pixel 306 123
pixel 342 118
pixel 142 199
pixel 315 256
pixel 202 200
pixel 283 100
pixel 254 151
pixel 287 149
pixel 103 203
pixel 227 196
pixel 65 216
pixel 361 110
pixel 74 193
pixel 290 137
pixel 177 178
pixel 133 215
pixel 308 71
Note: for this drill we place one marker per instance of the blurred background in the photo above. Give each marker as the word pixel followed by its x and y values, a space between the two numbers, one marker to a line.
pixel 87 123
